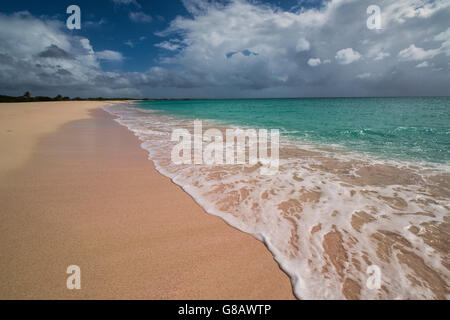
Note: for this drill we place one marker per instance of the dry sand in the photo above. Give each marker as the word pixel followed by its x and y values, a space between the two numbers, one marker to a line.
pixel 76 188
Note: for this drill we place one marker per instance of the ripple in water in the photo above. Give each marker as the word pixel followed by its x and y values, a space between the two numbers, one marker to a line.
pixel 327 215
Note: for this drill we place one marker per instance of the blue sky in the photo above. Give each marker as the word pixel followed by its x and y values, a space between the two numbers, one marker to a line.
pixel 107 24
pixel 225 48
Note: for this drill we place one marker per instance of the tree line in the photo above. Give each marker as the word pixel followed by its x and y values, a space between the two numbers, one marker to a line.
pixel 27 97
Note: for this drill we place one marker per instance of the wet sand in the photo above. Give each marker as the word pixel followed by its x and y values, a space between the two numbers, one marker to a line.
pixel 76 189
pixel 329 216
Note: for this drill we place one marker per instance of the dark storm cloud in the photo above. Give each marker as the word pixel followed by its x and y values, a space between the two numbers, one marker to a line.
pixel 54 51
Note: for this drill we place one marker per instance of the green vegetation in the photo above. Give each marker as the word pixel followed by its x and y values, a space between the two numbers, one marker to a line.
pixel 28 98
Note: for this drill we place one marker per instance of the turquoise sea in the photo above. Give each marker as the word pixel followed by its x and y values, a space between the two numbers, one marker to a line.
pixel 326 215
pixel 415 129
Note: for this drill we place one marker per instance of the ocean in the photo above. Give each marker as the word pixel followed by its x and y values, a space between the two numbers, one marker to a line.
pixel 359 207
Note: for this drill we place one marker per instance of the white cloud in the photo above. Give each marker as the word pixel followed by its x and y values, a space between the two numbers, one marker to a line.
pixel 314 62
pixel 216 30
pixel 168 45
pixel 47 60
pixel 87 45
pixel 424 64
pixel 403 10
pixel 95 23
pixel 364 75
pixel 302 45
pixel 445 38
pixel 271 47
pixel 127 2
pixel 140 17
pixel 87 56
pixel 109 55
pixel 133 43
pixel 347 56
pixel 413 53
pixel 40 35
pixel 381 56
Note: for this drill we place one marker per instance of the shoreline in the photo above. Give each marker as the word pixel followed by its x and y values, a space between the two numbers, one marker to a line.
pixel 325 219
pixel 86 194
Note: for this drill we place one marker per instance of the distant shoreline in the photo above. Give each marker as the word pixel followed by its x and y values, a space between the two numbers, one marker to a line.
pixel 24 98
pixel 59 98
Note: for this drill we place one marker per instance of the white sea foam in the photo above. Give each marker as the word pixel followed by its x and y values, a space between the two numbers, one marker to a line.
pixel 327 215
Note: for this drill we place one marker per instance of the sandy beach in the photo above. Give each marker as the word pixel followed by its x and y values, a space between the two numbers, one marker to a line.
pixel 77 189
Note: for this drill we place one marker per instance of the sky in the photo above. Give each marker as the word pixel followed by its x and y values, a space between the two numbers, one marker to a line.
pixel 225 48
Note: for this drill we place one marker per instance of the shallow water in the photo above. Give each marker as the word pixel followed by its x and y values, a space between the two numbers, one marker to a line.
pixel 403 128
pixel 333 209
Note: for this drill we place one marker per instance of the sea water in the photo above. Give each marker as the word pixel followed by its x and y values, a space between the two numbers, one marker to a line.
pixel 363 183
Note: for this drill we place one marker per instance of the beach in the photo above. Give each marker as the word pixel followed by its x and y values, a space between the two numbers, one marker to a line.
pixel 356 206
pixel 77 189
pixel 208 149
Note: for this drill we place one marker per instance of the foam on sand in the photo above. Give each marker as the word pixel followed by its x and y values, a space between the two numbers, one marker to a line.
pixel 327 215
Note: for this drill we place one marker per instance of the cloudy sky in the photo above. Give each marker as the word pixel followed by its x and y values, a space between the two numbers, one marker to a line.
pixel 225 49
